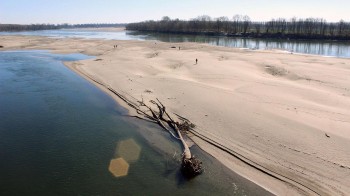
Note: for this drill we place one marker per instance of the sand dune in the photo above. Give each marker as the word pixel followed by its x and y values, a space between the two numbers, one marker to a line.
pixel 287 114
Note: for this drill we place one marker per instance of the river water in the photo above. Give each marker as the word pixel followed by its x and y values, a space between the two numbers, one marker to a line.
pixel 61 135
pixel 316 47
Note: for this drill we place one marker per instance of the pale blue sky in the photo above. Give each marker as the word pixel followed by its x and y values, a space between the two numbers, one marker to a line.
pixel 117 11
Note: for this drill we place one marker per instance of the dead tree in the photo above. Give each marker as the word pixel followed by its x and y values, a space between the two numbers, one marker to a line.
pixel 191 166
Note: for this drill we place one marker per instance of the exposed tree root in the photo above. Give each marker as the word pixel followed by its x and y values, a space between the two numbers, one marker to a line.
pixel 191 167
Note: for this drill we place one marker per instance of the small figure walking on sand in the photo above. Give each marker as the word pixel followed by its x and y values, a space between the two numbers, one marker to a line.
pixel 196 61
pixel 179 47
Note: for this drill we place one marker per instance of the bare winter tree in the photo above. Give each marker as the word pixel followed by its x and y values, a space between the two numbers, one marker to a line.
pixel 309 28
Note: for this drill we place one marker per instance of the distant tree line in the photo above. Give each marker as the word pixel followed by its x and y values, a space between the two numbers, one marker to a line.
pixel 242 26
pixel 36 27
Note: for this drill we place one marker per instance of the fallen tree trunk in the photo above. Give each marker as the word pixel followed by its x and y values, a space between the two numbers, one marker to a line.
pixel 191 166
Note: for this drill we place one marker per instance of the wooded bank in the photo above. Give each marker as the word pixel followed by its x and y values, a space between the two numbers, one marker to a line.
pixel 242 26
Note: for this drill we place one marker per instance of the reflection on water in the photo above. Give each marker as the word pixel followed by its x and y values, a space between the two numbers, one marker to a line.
pixel 60 135
pixel 324 48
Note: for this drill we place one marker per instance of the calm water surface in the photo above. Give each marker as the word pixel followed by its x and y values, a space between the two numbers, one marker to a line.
pixel 59 134
pixel 323 48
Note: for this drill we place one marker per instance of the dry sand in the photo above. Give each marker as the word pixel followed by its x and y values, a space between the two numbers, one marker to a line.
pixel 287 115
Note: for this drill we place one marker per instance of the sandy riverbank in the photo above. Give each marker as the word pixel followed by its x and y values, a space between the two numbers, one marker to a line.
pixel 286 114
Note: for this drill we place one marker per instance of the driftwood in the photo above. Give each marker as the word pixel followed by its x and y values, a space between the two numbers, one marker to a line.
pixel 191 166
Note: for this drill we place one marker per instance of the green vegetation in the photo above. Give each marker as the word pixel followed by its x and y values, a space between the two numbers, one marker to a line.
pixel 242 26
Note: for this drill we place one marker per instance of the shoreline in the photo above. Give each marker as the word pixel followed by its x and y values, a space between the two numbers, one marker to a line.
pixel 247 82
pixel 275 36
